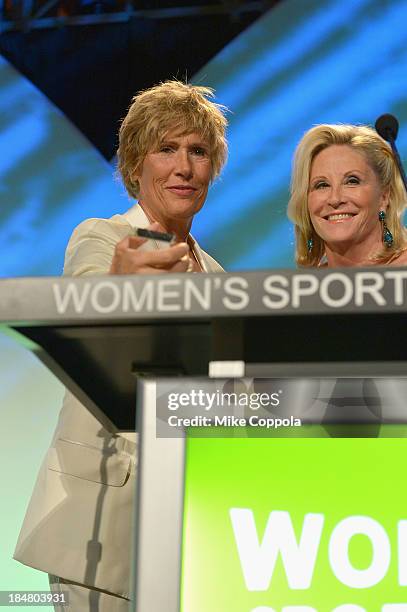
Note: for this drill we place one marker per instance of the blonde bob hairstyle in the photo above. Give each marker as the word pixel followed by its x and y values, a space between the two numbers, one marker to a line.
pixel 171 105
pixel 378 154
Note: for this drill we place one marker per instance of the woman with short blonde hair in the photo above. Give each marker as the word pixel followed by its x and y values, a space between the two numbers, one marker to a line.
pixel 183 107
pixel 78 526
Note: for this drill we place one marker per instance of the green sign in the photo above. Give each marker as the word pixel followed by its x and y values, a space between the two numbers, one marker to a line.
pixel 296 524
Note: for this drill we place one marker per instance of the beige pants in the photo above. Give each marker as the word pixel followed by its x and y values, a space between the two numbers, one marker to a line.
pixel 84 599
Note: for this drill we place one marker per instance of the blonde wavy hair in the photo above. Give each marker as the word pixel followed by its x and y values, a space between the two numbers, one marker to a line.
pixel 378 154
pixel 171 105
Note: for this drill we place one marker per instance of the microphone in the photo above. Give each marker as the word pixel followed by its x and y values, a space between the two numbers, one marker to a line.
pixel 387 127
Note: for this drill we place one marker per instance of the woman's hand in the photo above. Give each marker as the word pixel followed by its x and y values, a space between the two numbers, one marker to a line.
pixel 128 258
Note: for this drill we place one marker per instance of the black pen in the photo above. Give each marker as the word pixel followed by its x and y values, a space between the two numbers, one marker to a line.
pixel 150 234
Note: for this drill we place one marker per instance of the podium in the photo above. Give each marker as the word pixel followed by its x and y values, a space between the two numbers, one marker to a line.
pixel 100 335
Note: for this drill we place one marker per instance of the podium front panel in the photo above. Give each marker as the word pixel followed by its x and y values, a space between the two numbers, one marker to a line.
pixel 297 518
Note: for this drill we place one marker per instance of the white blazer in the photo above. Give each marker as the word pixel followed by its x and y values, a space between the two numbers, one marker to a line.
pixel 79 520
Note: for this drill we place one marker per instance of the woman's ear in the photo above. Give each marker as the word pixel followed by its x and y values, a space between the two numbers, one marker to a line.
pixel 136 173
pixel 385 199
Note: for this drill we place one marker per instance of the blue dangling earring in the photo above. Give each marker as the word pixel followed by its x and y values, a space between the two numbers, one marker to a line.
pixel 386 233
pixel 310 244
